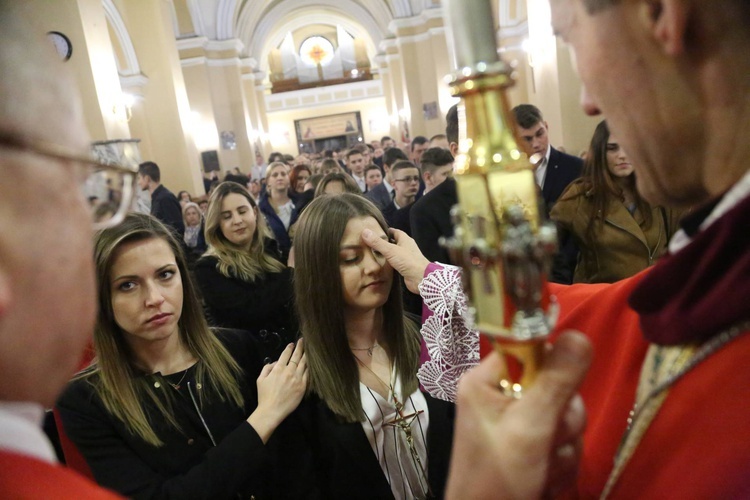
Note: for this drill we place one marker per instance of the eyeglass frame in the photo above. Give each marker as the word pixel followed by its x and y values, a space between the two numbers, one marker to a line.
pixel 411 178
pixel 62 153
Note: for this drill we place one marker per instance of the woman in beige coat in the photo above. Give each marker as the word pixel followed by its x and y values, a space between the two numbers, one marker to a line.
pixel 617 232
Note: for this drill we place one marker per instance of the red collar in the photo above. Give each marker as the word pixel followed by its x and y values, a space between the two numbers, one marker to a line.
pixel 702 289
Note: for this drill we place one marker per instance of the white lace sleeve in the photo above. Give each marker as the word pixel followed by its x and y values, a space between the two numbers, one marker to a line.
pixel 451 342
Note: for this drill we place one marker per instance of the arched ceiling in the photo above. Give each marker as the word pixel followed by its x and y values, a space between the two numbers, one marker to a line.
pixel 252 21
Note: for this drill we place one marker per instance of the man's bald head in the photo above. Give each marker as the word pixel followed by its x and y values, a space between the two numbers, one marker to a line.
pixel 39 99
pixel 47 291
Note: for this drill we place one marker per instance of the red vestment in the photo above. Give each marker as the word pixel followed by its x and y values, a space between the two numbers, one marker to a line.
pixel 24 477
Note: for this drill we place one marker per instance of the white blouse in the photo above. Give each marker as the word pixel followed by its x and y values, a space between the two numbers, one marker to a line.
pixel 404 464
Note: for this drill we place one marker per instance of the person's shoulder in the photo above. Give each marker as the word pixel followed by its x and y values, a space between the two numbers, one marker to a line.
pixel 446 191
pixel 81 391
pixel 565 158
pixel 207 262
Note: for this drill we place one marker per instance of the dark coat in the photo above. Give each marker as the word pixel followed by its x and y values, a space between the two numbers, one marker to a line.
pixel 430 219
pixel 346 466
pixel 280 233
pixel 380 196
pixel 187 465
pixel 562 169
pixel 166 208
pixel 264 307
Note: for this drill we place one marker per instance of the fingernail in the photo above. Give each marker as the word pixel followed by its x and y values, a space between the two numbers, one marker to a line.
pixel 367 233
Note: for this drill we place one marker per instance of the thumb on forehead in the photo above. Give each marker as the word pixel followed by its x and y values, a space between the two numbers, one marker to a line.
pixel 374 241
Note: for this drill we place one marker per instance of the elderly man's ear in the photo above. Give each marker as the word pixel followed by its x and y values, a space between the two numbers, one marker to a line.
pixel 668 22
pixel 6 296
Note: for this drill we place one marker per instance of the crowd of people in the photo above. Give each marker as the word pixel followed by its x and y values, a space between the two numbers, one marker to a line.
pixel 259 341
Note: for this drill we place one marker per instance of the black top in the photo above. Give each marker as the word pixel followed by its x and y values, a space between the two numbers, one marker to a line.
pixel 166 208
pixel 430 219
pixel 188 465
pixel 263 307
pixel 345 464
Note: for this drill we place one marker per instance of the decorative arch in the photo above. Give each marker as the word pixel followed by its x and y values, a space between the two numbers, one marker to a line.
pixel 132 68
pixel 255 27
pixel 225 17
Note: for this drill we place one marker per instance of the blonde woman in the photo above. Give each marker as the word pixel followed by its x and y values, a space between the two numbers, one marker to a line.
pixel 243 282
pixel 170 409
pixel 278 207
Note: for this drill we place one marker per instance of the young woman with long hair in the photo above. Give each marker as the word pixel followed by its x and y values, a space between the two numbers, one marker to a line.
pixel 243 282
pixel 618 233
pixel 374 433
pixel 170 408
pixel 278 207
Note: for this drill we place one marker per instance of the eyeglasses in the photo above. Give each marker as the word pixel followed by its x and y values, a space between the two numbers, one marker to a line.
pixel 414 178
pixel 108 188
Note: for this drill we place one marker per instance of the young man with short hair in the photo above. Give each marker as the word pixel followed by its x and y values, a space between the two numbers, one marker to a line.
pixel 164 204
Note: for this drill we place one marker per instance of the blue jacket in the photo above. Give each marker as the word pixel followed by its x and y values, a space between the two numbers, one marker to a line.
pixel 280 233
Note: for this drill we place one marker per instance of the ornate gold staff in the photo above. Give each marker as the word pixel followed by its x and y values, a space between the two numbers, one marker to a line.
pixel 500 240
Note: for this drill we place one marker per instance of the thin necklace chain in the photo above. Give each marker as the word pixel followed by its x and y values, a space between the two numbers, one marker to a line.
pixel 179 382
pixel 368 349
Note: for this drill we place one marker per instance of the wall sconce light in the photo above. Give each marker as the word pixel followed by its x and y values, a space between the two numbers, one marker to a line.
pixel 124 108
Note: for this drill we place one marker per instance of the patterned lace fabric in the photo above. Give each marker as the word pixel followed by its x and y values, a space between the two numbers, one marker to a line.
pixel 452 343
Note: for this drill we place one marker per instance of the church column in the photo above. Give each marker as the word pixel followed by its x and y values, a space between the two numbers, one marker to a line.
pixel 165 104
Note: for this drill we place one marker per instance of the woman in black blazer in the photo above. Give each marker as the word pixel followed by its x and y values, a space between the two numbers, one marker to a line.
pixel 169 409
pixel 372 432
pixel 242 282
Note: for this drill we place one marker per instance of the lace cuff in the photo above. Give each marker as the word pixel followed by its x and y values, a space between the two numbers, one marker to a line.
pixel 452 343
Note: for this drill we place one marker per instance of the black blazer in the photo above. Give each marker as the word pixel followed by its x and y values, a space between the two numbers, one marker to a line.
pixel 345 464
pixel 166 208
pixel 430 219
pixel 562 169
pixel 188 465
pixel 264 307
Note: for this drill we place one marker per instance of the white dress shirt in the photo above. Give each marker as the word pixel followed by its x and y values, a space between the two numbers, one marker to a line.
pixel 540 173
pixel 21 432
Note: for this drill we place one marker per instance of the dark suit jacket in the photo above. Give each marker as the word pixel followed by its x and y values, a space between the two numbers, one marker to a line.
pixel 166 208
pixel 380 196
pixel 562 169
pixel 346 466
pixel 430 219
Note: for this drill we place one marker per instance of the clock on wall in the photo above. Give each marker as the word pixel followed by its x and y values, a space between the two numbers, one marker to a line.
pixel 62 44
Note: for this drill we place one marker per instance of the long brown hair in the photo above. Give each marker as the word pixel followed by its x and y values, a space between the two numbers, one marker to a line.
pixel 235 261
pixel 600 185
pixel 114 373
pixel 334 375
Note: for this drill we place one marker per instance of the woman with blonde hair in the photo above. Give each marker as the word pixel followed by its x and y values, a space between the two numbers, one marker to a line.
pixel 243 282
pixel 374 434
pixel 278 206
pixel 170 408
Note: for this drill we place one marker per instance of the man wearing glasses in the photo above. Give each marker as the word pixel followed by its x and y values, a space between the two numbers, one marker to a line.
pixel 405 187
pixel 47 283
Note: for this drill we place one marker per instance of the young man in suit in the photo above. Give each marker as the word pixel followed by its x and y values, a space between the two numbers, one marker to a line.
pixel 382 195
pixel 164 204
pixel 47 283
pixel 554 169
